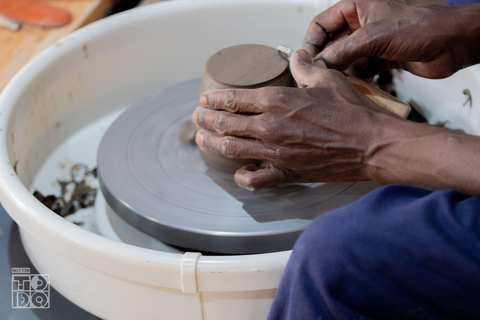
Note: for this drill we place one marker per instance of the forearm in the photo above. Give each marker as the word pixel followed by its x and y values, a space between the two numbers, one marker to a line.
pixel 426 156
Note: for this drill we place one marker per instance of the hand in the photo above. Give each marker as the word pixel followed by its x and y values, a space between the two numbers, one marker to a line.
pixel 371 36
pixel 323 132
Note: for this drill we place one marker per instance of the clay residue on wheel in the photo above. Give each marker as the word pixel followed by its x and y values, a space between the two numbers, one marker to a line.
pixel 77 193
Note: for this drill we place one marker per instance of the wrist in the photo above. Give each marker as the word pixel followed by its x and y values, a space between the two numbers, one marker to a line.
pixel 402 154
pixel 426 156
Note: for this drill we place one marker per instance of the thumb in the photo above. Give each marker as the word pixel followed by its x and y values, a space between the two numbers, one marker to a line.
pixel 304 70
pixel 343 53
pixel 252 178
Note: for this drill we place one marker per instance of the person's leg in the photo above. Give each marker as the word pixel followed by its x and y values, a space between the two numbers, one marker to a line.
pixel 461 2
pixel 397 253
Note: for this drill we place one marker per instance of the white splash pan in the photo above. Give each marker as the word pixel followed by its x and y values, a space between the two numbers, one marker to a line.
pixel 57 108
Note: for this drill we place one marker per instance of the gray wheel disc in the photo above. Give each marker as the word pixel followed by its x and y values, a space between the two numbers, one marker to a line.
pixel 160 185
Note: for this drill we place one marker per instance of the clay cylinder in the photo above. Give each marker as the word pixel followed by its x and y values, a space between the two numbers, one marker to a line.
pixel 246 66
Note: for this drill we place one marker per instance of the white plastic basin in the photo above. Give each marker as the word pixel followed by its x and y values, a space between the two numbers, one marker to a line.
pixel 60 104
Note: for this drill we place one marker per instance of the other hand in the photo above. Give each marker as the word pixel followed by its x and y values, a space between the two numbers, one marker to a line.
pixel 371 36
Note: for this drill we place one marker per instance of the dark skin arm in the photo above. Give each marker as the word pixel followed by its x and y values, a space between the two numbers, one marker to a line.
pixel 328 131
pixel 428 40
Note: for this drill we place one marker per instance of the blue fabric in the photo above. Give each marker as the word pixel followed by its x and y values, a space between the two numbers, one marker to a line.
pixel 397 253
pixel 461 2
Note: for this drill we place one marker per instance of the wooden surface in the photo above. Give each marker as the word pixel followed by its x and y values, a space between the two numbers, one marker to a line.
pixel 18 47
pixel 380 97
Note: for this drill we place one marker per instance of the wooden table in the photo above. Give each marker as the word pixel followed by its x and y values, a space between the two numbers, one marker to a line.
pixel 18 47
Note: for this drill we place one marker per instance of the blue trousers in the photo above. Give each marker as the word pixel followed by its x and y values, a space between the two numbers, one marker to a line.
pixel 397 253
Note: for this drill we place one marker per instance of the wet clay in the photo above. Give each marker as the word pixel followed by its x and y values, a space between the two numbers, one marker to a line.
pixel 188 130
pixel 245 66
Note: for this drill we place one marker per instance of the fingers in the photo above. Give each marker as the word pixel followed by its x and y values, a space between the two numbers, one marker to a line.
pixel 252 178
pixel 333 20
pixel 233 100
pixel 249 177
pixel 305 72
pixel 225 123
pixel 345 52
pixel 309 74
pixel 231 147
pixel 315 39
pixel 357 67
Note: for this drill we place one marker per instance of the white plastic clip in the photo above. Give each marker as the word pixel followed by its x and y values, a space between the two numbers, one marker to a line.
pixel 189 272
pixel 288 51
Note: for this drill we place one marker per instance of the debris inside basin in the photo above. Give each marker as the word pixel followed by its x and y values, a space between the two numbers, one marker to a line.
pixel 77 193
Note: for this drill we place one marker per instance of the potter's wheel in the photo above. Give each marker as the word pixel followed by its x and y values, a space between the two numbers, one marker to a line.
pixel 161 186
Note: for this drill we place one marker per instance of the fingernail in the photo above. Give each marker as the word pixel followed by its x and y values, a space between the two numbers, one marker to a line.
pixel 304 55
pixel 203 101
pixel 199 138
pixel 194 117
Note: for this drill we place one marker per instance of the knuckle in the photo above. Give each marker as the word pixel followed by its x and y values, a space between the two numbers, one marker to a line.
pixel 220 123
pixel 279 153
pixel 228 147
pixel 276 152
pixel 230 102
pixel 279 94
pixel 275 98
pixel 372 39
pixel 331 55
pixel 266 130
pixel 213 97
pixel 369 35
